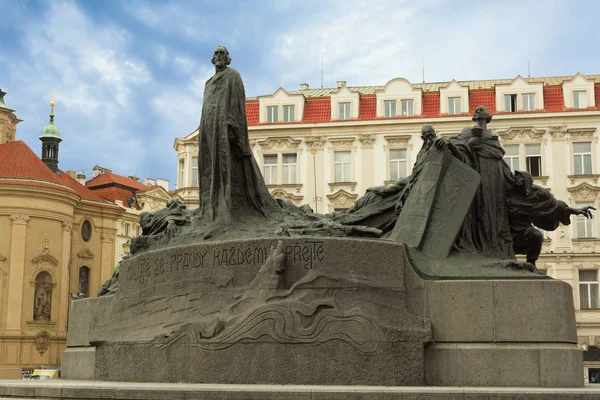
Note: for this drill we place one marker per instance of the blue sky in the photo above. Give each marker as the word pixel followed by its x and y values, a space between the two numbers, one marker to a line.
pixel 129 75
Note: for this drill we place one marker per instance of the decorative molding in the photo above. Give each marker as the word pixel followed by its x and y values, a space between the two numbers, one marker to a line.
pixel 85 253
pixel 334 185
pixel 283 194
pixel 397 141
pixel 342 198
pixel 584 178
pixel 346 143
pixel 521 133
pixel 584 191
pixel 38 270
pixel 253 142
pixel 42 342
pixel 315 142
pixel 284 143
pixel 107 237
pixel 67 226
pixel 541 180
pixel 581 133
pixel 19 219
pixel 558 131
pixel 45 258
pixel 366 140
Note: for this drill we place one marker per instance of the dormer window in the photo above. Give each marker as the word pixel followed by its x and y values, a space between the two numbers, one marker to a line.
pixel 454 105
pixel 390 108
pixel 510 102
pixel 407 108
pixel 343 110
pixel 272 114
pixel 529 102
pixel 580 99
pixel 288 113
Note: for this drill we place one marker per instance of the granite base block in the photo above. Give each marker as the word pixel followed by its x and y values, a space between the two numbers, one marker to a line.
pixel 79 363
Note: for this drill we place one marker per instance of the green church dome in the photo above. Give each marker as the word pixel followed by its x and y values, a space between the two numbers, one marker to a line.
pixel 51 130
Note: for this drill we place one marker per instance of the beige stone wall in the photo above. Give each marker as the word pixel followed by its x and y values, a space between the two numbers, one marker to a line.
pixel 8 126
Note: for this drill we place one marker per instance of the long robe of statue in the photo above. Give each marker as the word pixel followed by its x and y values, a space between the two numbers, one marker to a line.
pixel 230 181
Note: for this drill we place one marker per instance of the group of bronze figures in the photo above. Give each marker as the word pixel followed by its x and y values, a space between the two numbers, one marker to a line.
pixel 500 223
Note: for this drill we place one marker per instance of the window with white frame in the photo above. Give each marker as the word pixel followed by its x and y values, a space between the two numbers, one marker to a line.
pixel 127 229
pixel 270 169
pixel 272 114
pixel 533 159
pixel 511 157
pixel 529 102
pixel 397 164
pixel 343 110
pixel 194 171
pixel 389 108
pixel 580 99
pixel 582 158
pixel 454 105
pixel 585 226
pixel 510 102
pixel 288 113
pixel 407 108
pixel 289 168
pixel 342 164
pixel 181 171
pixel 588 288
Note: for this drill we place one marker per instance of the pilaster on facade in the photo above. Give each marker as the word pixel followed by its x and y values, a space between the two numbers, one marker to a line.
pixel 16 273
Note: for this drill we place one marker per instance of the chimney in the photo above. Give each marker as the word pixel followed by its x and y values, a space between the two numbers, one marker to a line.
pixel 135 178
pixel 341 84
pixel 304 86
pixel 81 179
pixel 164 183
pixel 98 170
pixel 71 173
pixel 149 182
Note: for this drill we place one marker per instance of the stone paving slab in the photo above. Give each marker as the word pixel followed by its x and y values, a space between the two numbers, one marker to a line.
pixel 88 390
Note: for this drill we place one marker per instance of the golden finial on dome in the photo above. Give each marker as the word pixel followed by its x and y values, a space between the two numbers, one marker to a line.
pixel 52 103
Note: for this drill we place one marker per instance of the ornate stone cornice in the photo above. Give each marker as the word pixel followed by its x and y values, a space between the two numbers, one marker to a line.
pixel 107 237
pixel 314 142
pixel 342 198
pixel 19 219
pixel 45 257
pixel 346 143
pixel 85 253
pixel 557 132
pixel 523 132
pixel 67 226
pixel 584 192
pixel 397 141
pixel 366 140
pixel 283 194
pixel 283 143
pixel 581 133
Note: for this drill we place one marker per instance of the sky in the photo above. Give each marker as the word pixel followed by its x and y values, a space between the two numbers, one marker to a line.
pixel 129 75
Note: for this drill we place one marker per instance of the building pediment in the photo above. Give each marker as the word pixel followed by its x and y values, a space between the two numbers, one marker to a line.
pixel 342 199
pixel 283 143
pixel 158 193
pixel 45 258
pixel 398 86
pixel 85 253
pixel 584 192
pixel 522 132
pixel 581 133
pixel 280 193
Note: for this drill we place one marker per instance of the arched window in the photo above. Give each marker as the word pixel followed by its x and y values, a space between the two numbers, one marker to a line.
pixel 42 302
pixel 83 288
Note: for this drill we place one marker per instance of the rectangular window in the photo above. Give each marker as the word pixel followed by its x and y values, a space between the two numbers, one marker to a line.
pixel 407 108
pixel 510 102
pixel 454 105
pixel 529 102
pixel 582 158
pixel 138 230
pixel 342 163
pixel 585 226
pixel 288 113
pixel 588 288
pixel 397 164
pixel 270 169
pixel 272 114
pixel 511 157
pixel 533 159
pixel 389 108
pixel 343 110
pixel 194 171
pixel 580 99
pixel 127 227
pixel 181 183
pixel 289 168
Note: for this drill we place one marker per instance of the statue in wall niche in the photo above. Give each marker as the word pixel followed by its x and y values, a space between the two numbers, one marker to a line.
pixel 531 206
pixel 42 299
pixel 229 178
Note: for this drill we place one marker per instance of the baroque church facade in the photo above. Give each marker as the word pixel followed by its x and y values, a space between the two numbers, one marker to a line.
pixel 324 147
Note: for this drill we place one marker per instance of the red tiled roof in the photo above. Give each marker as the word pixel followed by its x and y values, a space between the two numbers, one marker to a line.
pixel 147 188
pixel 553 98
pixel 109 178
pixel 252 112
pixel 84 192
pixel 484 97
pixel 597 95
pixel 317 110
pixel 431 104
pixel 368 107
